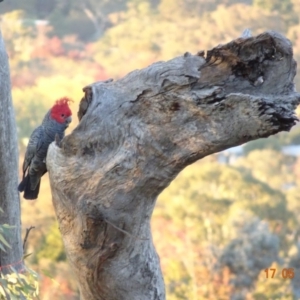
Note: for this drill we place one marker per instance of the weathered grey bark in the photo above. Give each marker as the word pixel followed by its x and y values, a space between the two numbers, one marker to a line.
pixel 9 195
pixel 136 134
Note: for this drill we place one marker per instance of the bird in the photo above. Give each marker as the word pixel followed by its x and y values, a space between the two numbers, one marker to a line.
pixel 53 126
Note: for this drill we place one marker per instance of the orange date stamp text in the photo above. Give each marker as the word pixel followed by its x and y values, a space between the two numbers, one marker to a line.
pixel 285 273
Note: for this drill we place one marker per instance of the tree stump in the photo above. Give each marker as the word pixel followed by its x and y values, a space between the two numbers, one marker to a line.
pixel 137 133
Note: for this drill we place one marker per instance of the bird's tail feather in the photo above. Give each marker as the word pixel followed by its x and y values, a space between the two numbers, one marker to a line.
pixel 23 183
pixel 24 186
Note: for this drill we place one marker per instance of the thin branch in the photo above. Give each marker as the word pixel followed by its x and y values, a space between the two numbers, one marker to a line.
pixel 26 236
pixel 124 231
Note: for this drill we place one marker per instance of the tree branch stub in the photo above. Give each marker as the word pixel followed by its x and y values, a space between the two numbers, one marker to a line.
pixel 137 133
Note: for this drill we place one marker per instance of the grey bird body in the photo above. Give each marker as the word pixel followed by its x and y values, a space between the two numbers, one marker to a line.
pixel 34 165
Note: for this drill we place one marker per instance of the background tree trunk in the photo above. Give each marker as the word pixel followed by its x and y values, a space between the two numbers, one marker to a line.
pixel 9 195
pixel 136 134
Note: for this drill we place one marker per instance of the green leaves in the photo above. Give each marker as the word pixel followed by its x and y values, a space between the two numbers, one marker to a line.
pixel 15 285
pixel 4 231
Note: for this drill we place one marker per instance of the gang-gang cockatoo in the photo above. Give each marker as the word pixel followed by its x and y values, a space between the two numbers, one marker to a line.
pixel 54 124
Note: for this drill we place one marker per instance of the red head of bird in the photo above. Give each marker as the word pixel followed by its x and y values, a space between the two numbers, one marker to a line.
pixel 61 111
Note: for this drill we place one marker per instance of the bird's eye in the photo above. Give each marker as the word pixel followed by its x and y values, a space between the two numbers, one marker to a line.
pixel 62 115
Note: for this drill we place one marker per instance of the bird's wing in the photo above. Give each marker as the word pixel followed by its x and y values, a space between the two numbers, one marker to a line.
pixel 34 144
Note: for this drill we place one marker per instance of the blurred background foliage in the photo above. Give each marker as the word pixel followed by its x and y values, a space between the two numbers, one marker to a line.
pixel 224 219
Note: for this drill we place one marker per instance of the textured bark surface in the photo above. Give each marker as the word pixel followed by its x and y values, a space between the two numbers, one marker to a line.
pixel 136 134
pixel 9 195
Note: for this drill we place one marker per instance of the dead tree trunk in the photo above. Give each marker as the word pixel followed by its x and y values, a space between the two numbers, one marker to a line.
pixel 9 195
pixel 136 134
